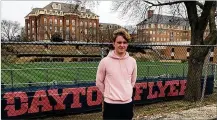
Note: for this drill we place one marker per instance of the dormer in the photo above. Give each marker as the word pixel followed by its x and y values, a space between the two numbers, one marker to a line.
pixel 83 9
pixel 56 6
pixel 59 6
pixel 61 13
pixel 45 11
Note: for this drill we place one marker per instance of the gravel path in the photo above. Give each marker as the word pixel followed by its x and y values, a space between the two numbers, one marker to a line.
pixel 208 112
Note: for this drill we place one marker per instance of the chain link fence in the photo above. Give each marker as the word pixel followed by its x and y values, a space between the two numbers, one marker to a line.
pixel 58 78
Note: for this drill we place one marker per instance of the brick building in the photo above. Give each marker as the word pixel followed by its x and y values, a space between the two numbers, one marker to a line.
pixel 74 23
pixel 106 31
pixel 162 28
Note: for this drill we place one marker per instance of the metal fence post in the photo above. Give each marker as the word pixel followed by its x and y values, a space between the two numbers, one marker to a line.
pixel 102 52
pixel 215 75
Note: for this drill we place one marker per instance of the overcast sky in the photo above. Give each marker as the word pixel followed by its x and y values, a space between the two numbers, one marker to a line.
pixel 17 10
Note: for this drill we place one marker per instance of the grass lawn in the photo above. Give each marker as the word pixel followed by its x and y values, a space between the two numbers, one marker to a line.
pixel 47 72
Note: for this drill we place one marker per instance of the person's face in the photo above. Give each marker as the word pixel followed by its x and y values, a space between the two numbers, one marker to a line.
pixel 120 45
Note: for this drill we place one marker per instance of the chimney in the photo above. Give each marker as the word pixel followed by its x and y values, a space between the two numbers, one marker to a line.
pixel 150 13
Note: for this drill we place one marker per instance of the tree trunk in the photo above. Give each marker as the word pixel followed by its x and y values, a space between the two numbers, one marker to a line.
pixel 195 68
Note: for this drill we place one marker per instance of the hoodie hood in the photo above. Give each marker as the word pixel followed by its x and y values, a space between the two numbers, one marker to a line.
pixel 114 56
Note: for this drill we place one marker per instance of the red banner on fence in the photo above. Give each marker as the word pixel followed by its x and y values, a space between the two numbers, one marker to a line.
pixel 82 98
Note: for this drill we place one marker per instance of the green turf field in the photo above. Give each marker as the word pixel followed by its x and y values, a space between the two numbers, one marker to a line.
pixel 77 71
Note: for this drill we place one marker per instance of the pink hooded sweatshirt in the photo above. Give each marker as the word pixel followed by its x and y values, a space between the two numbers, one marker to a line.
pixel 116 78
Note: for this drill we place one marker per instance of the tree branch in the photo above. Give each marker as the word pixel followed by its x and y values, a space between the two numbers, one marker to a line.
pixel 162 4
pixel 193 19
pixel 211 38
pixel 203 20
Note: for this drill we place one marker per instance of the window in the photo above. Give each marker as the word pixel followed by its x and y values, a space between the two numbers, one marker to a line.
pixel 73 30
pixel 61 22
pixel 73 36
pixel 55 21
pixel 94 31
pixel 55 29
pixel 90 24
pixel 73 22
pixel 50 28
pixel 150 32
pixel 33 30
pixel 33 37
pixel 45 20
pixel 149 25
pixel 85 24
pixel 61 29
pixel 161 25
pixel 67 37
pixel 81 23
pixel 45 27
pixel 45 11
pixel 67 29
pixel 67 22
pixel 94 24
pixel 50 21
pixel 32 22
pixel 59 6
pixel 28 31
pixel 85 31
pixel 45 36
pixel 28 25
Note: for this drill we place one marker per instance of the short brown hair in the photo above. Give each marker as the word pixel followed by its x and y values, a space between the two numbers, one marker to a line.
pixel 122 32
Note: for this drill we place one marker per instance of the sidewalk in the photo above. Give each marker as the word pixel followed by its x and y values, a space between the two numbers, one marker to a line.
pixel 208 112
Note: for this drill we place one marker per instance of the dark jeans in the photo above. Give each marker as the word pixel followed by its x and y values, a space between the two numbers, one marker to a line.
pixel 118 111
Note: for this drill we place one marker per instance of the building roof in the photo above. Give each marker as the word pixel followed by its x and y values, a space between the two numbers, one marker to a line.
pixel 65 7
pixel 34 10
pixel 164 19
pixel 106 25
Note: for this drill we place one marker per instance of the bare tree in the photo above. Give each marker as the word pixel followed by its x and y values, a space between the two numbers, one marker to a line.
pixel 23 35
pixel 9 29
pixel 200 15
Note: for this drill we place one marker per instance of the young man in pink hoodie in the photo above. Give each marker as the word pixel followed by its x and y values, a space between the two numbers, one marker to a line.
pixel 116 77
